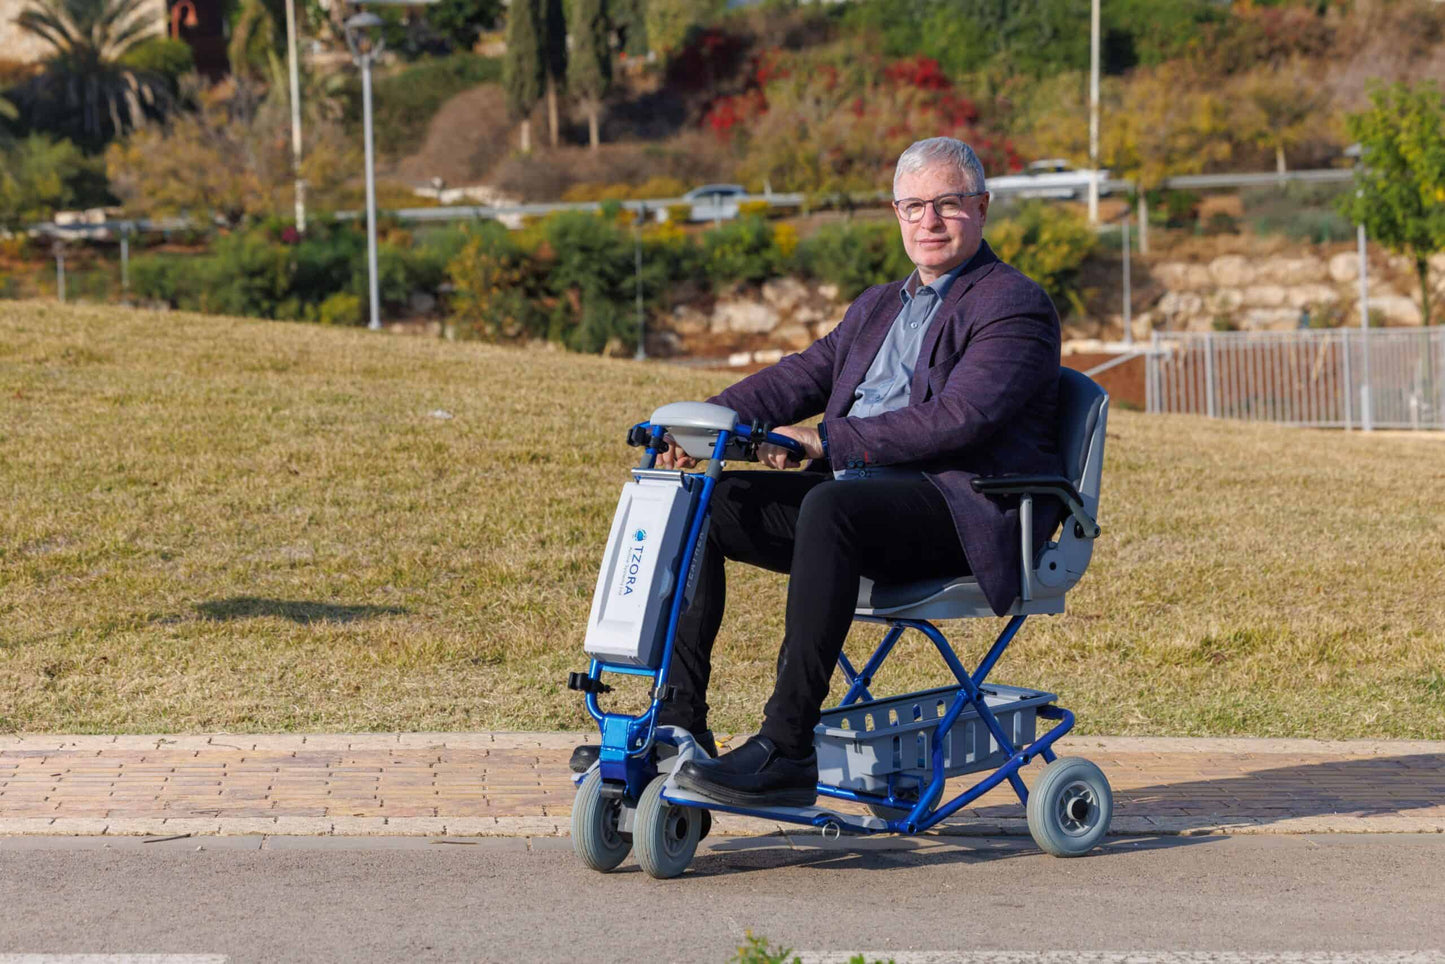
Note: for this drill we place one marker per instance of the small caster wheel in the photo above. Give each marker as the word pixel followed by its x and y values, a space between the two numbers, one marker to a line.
pixel 595 836
pixel 1070 807
pixel 666 835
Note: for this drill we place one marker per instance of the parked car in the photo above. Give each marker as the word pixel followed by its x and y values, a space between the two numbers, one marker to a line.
pixel 715 202
pixel 1049 178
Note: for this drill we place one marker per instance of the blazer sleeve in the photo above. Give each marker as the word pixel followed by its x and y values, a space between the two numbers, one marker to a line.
pixel 798 386
pixel 1006 361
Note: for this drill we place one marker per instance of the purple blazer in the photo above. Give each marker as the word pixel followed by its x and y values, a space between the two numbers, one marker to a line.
pixel 984 401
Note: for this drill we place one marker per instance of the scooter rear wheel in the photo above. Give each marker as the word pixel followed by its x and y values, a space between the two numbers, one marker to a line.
pixel 595 834
pixel 666 835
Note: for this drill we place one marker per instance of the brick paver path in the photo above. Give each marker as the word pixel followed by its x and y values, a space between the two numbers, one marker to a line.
pixel 517 784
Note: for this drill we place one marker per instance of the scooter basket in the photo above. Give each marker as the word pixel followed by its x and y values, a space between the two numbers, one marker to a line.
pixel 861 745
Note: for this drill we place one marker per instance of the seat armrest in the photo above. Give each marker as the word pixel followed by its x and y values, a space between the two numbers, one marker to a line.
pixel 1055 485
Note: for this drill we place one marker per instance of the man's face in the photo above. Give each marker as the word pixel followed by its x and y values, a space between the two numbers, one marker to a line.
pixel 937 245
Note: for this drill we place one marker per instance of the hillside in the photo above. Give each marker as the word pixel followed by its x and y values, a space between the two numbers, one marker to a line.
pixel 222 524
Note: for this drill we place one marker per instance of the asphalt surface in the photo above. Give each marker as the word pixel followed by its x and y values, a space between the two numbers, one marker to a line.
pixel 920 899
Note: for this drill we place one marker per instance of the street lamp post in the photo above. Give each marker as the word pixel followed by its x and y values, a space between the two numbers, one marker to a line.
pixel 637 221
pixel 294 72
pixel 363 36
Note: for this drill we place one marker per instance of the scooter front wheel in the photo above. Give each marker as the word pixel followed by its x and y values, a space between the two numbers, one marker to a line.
pixel 666 834
pixel 595 834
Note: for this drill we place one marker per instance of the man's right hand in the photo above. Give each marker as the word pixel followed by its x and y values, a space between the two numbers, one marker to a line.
pixel 673 457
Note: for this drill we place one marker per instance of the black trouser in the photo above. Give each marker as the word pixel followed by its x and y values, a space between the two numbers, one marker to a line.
pixel 827 534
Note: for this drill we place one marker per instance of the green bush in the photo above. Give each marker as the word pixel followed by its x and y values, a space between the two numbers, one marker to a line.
pixel 1049 244
pixel 162 55
pixel 742 250
pixel 854 256
pixel 404 103
pixel 342 308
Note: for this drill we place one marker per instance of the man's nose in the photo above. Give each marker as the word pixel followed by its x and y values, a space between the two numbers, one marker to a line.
pixel 931 218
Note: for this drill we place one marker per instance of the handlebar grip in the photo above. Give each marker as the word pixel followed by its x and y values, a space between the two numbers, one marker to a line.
pixel 793 446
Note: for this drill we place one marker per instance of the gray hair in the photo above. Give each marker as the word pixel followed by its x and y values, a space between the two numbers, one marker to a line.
pixel 948 151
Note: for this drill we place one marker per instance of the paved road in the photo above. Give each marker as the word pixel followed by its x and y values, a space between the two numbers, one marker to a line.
pixel 922 899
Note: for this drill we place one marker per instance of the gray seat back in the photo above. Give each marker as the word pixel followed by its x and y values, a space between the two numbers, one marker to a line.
pixel 1083 418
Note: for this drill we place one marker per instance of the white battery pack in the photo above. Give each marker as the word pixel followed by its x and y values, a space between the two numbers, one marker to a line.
pixel 630 606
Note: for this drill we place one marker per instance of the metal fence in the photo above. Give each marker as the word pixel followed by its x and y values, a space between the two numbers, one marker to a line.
pixel 1332 378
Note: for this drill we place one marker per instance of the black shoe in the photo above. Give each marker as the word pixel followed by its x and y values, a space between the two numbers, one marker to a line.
pixel 585 755
pixel 756 774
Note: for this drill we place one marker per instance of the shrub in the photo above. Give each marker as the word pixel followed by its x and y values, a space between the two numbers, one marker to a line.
pixel 679 213
pixel 494 287
pixel 1047 243
pixel 742 250
pixel 404 103
pixel 854 256
pixel 162 55
pixel 754 209
pixel 342 308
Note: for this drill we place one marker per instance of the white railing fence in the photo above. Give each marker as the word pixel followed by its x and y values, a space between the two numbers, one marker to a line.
pixel 1329 378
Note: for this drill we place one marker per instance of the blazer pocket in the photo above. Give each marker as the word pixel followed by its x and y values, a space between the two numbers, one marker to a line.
pixel 939 371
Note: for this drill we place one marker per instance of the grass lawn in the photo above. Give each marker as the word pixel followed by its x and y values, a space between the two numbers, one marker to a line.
pixel 214 524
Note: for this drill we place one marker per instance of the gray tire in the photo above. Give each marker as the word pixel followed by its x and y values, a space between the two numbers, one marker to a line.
pixel 595 836
pixel 666 835
pixel 1070 807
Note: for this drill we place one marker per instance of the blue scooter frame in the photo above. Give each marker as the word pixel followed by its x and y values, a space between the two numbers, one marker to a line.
pixel 627 764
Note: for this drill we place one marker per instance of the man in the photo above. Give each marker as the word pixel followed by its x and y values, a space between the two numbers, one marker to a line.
pixel 925 384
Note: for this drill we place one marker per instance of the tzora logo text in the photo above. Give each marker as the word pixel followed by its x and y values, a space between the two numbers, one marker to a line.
pixel 632 565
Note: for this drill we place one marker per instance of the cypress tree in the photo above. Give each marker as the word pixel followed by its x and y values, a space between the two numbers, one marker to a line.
pixel 554 44
pixel 589 69
pixel 524 72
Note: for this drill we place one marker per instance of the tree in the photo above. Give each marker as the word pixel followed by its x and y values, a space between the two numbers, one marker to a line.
pixel 39 176
pixel 554 46
pixel 231 158
pixel 667 22
pixel 589 70
pixel 1400 182
pixel 525 70
pixel 1165 122
pixel 85 91
pixel 1281 108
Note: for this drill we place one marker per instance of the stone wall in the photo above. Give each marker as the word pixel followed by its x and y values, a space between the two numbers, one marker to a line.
pixel 1269 293
pixel 1251 291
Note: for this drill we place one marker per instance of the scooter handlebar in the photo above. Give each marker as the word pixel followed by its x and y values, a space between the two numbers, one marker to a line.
pixel 743 444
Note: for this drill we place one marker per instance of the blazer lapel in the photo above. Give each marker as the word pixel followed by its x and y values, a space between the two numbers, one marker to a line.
pixel 865 348
pixel 977 267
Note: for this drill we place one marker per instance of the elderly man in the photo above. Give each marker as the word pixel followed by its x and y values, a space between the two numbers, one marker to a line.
pixel 926 383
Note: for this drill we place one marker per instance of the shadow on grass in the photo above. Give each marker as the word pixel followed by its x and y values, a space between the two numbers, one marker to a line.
pixel 251 607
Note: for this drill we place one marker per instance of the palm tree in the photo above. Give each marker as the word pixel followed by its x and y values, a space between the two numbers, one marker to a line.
pixel 85 90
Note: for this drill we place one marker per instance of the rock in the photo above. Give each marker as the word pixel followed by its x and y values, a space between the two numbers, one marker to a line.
pixel 1264 296
pixel 687 320
pixel 1307 296
pixel 826 327
pixel 1143 325
pixel 1396 309
pixel 663 344
pixel 794 336
pixel 1171 274
pixel 1176 306
pixel 1292 271
pixel 1223 300
pixel 828 292
pixel 745 317
pixel 1269 319
pixel 785 293
pixel 1231 271
pixel 1345 266
pixel 768 356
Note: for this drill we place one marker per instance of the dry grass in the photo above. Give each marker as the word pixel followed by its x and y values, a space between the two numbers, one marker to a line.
pixel 215 524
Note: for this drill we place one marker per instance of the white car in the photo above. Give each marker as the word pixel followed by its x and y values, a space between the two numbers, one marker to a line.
pixel 1050 178
pixel 715 202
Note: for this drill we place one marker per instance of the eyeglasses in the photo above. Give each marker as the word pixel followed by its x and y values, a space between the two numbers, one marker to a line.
pixel 947 205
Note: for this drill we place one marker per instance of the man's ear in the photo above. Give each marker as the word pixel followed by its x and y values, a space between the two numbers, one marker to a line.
pixel 983 207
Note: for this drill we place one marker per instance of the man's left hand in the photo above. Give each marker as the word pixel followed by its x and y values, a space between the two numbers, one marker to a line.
pixel 780 458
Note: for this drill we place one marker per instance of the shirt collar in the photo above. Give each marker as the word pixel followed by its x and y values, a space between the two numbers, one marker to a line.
pixel 940 285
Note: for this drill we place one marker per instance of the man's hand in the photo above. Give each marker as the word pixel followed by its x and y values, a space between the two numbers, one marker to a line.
pixel 779 458
pixel 673 457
